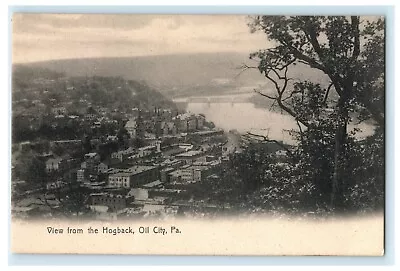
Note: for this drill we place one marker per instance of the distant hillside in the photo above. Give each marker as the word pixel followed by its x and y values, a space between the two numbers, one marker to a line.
pixel 23 75
pixel 174 75
pixel 38 83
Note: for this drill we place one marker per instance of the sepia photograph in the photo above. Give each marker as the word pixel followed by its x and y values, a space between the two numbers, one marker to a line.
pixel 198 134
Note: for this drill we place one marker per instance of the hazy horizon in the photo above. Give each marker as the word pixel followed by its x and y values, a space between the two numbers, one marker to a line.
pixel 45 37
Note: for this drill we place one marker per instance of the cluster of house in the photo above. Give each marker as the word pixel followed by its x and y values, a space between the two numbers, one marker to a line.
pixel 141 181
pixel 144 189
pixel 131 202
pixel 165 123
pixel 120 175
pixel 148 175
pixel 135 189
pixel 193 173
pixel 62 163
pixel 132 167
pixel 148 168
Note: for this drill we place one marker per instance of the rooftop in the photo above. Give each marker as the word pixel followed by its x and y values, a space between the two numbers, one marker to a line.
pixel 122 174
pixel 67 141
pixel 139 169
pixel 127 151
pixel 168 169
pixel 138 193
pixel 210 163
pixel 147 148
pixel 189 154
pixel 54 160
pixel 131 123
pixel 107 195
pixel 152 184
pixel 90 155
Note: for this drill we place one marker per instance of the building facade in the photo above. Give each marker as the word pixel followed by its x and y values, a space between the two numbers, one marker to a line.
pixel 80 175
pixel 113 202
pixel 122 179
pixel 123 155
pixel 54 164
pixel 134 176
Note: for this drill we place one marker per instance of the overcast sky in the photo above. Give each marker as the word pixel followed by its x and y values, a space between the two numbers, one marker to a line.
pixel 38 37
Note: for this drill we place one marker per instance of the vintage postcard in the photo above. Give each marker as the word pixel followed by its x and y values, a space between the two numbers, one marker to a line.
pixel 198 134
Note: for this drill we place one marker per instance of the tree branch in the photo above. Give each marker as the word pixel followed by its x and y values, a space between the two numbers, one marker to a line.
pixel 272 105
pixel 300 131
pixel 355 21
pixel 327 93
pixel 266 139
pixel 314 64
pixel 311 35
pixel 280 92
pixel 243 68
pixel 274 82
pixel 291 95
pixel 307 60
pixel 265 95
pixel 286 80
pixel 291 112
pixel 277 74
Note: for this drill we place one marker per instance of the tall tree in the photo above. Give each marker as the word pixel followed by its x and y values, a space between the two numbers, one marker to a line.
pixel 349 52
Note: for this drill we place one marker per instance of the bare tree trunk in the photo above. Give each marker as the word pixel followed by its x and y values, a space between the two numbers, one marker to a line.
pixel 339 154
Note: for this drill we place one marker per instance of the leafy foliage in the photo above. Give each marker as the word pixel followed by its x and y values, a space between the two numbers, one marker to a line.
pixel 329 168
pixel 30 168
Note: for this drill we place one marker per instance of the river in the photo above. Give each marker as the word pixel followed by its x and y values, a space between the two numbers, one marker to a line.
pixel 245 117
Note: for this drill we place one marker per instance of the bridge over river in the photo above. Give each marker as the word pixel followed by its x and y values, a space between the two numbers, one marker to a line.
pixel 229 99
